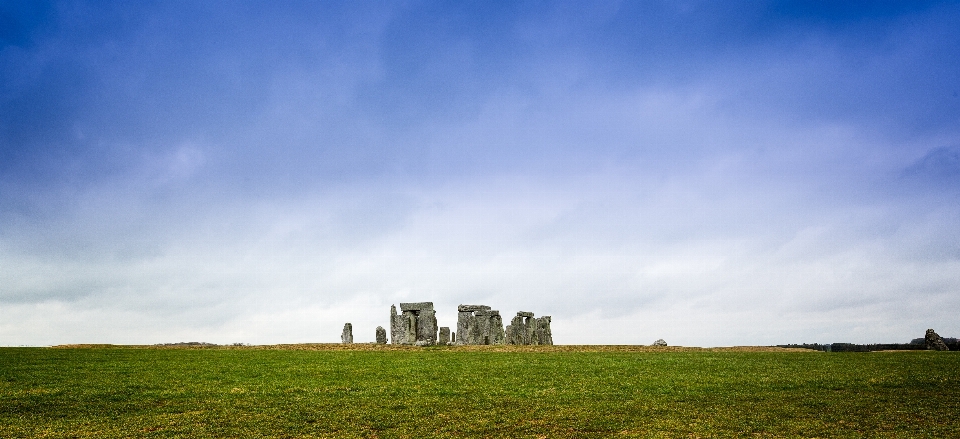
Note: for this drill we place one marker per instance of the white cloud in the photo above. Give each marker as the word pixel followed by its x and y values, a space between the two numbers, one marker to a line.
pixel 676 260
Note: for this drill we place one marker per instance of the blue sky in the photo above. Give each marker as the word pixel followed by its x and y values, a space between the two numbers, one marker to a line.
pixel 262 172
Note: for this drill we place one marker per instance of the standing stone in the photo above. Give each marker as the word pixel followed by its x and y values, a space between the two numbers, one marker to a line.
pixel 544 334
pixel 381 335
pixel 427 327
pixel 934 342
pixel 521 329
pixel 478 325
pixel 495 328
pixel 525 329
pixel 444 336
pixel 346 337
pixel 409 320
pixel 463 325
pixel 453 337
pixel 416 324
pixel 481 332
pixel 530 325
pixel 398 332
pixel 468 324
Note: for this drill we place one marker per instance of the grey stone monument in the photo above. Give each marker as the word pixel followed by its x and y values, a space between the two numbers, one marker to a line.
pixel 346 336
pixel 525 329
pixel 416 324
pixel 543 333
pixel 478 325
pixel 381 335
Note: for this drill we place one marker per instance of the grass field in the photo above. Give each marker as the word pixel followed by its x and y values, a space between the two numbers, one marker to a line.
pixel 327 391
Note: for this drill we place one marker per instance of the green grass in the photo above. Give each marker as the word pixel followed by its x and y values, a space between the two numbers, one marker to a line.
pixel 111 392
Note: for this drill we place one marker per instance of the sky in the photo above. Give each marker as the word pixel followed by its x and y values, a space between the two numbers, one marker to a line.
pixel 708 173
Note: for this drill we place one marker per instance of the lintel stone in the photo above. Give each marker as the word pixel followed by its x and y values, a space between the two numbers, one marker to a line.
pixel 415 306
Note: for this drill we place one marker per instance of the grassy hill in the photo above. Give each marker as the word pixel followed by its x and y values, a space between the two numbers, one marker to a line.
pixel 560 391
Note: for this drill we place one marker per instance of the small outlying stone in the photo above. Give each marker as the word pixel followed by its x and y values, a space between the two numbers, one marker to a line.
pixel 659 342
pixel 346 336
pixel 381 335
pixel 934 342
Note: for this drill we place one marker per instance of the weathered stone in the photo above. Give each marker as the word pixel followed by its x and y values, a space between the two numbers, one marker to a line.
pixel 464 320
pixel 659 342
pixel 472 308
pixel 544 334
pixel 474 333
pixel 495 329
pixel 398 325
pixel 410 323
pixel 427 326
pixel 444 336
pixel 416 306
pixel 381 335
pixel 416 324
pixel 518 333
pixel 934 342
pixel 531 328
pixel 478 324
pixel 346 336
pixel 482 334
pixel 453 337
pixel 524 329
